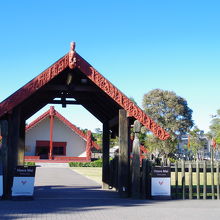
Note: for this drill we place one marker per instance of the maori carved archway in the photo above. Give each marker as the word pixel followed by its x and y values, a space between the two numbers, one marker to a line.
pixel 111 107
pixel 73 60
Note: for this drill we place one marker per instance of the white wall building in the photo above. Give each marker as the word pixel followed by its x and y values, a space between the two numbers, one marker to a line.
pixel 51 136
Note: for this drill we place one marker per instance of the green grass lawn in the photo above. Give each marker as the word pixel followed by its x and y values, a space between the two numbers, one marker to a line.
pixel 94 173
pixel 194 178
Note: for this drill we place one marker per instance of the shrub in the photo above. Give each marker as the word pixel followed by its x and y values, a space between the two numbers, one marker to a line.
pixel 96 163
pixel 29 163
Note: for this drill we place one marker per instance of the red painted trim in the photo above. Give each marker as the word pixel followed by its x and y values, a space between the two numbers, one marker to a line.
pixel 89 145
pixel 132 109
pixel 70 125
pixel 51 130
pixel 37 120
pixel 32 157
pixel 143 149
pixel 27 90
pixel 40 143
pixel 70 158
pixel 56 159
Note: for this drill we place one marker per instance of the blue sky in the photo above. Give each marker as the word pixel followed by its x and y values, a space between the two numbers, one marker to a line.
pixel 137 45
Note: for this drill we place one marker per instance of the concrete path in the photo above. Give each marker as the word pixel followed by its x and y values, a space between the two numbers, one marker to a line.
pixel 60 193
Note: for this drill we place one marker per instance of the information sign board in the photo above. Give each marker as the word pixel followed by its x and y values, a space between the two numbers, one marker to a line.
pixel 160 182
pixel 23 182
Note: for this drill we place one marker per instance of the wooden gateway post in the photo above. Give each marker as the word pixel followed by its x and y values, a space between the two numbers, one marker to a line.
pixel 124 155
pixel 105 156
pixel 4 157
pixel 136 162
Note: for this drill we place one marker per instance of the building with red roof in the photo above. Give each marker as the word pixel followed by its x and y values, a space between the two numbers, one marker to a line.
pixel 52 136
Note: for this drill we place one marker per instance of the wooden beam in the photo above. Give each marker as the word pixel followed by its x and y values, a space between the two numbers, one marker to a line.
pixel 4 156
pixel 124 155
pixel 21 143
pixel 63 100
pixel 67 102
pixel 11 133
pixel 14 134
pixel 75 88
pixel 113 122
pixel 105 156
pixel 51 131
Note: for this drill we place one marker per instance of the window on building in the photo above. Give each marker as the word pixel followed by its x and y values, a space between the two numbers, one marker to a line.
pixel 58 150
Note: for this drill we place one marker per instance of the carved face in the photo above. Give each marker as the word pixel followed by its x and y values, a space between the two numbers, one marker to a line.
pixel 72 46
pixel 137 126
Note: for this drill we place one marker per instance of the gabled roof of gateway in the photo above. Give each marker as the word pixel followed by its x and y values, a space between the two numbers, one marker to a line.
pixel 73 77
pixel 65 121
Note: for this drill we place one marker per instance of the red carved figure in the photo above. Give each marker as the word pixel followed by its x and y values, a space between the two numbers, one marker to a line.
pixel 72 58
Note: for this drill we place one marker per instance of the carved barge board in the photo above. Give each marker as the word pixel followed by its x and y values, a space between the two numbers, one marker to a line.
pixel 132 109
pixel 72 60
pixel 35 84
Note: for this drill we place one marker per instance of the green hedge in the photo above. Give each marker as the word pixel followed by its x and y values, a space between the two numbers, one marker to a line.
pixel 29 163
pixel 96 163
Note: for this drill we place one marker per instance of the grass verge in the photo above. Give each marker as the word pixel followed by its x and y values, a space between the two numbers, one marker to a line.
pixel 93 173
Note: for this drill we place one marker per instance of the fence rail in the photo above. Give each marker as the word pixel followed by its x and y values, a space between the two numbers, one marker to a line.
pixel 195 180
pixel 189 180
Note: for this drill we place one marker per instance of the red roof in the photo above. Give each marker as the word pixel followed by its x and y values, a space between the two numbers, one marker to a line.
pixel 72 60
pixel 65 121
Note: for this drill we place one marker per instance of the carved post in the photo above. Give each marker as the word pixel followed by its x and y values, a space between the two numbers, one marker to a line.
pixel 88 145
pixel 105 156
pixel 136 162
pixel 52 113
pixel 124 155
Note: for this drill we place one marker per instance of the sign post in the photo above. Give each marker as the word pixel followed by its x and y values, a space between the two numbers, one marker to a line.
pixel 160 183
pixel 23 183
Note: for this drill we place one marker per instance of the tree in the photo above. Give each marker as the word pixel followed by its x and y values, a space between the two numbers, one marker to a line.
pixel 98 138
pixel 197 141
pixel 172 113
pixel 215 127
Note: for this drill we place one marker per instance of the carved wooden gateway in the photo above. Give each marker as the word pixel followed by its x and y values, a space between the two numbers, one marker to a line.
pixel 71 80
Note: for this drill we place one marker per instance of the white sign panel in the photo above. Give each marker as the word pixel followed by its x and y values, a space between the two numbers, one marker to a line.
pixel 1 185
pixel 160 186
pixel 160 182
pixel 23 183
pixel 23 186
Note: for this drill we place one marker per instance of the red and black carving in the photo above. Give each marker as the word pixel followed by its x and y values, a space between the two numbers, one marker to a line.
pixel 132 109
pixel 89 145
pixel 34 85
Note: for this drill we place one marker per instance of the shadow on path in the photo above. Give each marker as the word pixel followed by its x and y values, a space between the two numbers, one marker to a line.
pixel 70 199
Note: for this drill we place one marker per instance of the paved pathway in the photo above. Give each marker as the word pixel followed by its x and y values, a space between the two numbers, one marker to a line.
pixel 61 193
